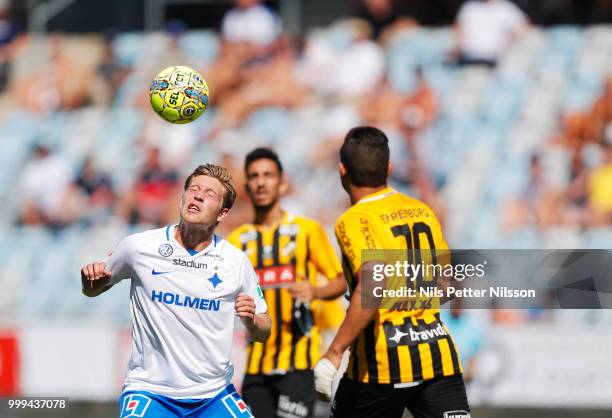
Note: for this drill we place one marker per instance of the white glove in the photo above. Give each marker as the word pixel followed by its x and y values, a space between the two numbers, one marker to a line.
pixel 324 373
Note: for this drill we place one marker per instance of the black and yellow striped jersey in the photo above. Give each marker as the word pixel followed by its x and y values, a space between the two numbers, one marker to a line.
pixel 397 346
pixel 294 250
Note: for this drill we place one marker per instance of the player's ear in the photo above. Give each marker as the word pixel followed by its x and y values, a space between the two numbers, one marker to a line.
pixel 222 215
pixel 341 169
pixel 389 169
pixel 283 186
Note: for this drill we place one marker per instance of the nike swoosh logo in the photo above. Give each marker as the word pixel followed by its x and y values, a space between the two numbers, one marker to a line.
pixel 157 273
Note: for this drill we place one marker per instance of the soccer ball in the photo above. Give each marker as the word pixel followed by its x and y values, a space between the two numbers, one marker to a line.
pixel 179 94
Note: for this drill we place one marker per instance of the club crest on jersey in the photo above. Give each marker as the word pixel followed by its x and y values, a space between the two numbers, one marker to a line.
pixel 236 407
pixel 165 250
pixel 267 252
pixel 215 281
pixel 135 405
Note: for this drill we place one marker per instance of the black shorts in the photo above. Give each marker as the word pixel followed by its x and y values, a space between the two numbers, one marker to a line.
pixel 437 398
pixel 291 395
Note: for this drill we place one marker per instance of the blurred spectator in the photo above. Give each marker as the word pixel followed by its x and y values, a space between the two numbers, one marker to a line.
pixel 249 21
pixel 155 193
pixel 8 32
pixel 266 83
pixel 61 84
pixel 384 17
pixel 110 75
pixel 421 107
pixel 44 187
pixel 379 14
pixel 526 209
pixel 598 120
pixel 348 68
pixel 484 28
pixel 97 187
pixel 600 188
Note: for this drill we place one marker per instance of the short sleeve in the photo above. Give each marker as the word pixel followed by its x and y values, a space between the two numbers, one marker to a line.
pixel 322 253
pixel 250 285
pixel 119 261
pixel 439 240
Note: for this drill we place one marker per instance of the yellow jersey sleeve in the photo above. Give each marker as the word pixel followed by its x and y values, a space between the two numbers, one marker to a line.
pixel 322 253
pixel 234 237
pixel 355 232
pixel 439 240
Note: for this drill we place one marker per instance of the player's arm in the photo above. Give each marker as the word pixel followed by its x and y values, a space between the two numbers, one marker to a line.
pixel 257 324
pixel 357 318
pixel 95 278
pixel 306 292
pixel 354 233
pixel 332 290
pixel 98 277
pixel 251 306
pixel 323 256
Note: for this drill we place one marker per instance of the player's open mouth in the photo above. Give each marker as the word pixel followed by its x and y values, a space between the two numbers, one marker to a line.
pixel 193 208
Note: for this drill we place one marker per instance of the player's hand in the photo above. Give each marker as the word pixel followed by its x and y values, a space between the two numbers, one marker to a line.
pixel 95 276
pixel 324 372
pixel 302 291
pixel 245 308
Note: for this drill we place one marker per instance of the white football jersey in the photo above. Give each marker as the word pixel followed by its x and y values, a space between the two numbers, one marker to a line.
pixel 182 309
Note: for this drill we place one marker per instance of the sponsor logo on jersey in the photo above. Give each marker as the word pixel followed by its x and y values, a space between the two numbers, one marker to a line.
pixel 165 250
pixel 157 273
pixel 135 405
pixel 457 414
pixel 415 335
pixel 191 264
pixel 169 298
pixel 289 408
pixel 277 276
pixel 289 229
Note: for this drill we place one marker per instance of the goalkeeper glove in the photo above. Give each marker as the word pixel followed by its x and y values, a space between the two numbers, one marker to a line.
pixel 324 373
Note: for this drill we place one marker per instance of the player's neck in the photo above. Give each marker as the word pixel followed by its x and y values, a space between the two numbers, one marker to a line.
pixel 268 217
pixel 357 193
pixel 193 238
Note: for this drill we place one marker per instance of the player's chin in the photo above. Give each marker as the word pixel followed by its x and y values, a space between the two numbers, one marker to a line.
pixel 264 202
pixel 197 219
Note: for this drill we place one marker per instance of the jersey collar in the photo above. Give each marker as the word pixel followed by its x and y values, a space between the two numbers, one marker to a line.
pixel 381 194
pixel 209 248
pixel 287 217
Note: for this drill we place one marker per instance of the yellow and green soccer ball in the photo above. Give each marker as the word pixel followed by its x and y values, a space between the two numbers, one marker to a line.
pixel 179 94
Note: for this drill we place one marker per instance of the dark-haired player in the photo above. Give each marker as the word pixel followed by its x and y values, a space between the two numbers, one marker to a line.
pixel 288 253
pixel 394 362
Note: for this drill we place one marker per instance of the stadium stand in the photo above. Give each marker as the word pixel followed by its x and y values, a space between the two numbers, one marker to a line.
pixel 475 151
